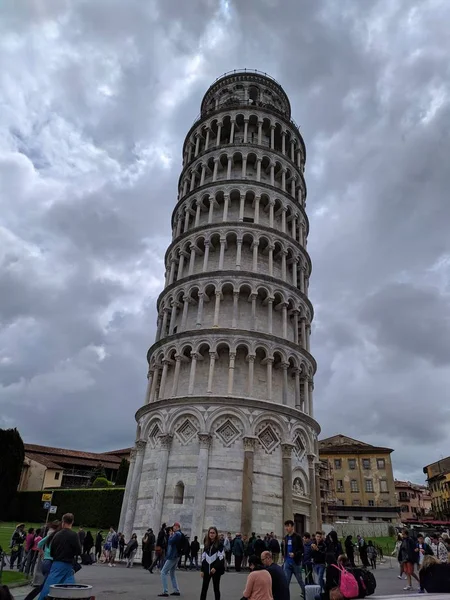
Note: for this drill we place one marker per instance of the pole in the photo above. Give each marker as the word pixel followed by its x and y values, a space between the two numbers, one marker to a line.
pixel 48 512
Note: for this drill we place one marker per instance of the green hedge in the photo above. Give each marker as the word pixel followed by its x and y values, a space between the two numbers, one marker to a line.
pixel 98 507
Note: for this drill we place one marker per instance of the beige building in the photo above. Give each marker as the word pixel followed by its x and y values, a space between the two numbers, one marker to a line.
pixel 414 500
pixel 438 478
pixel 363 480
pixel 47 467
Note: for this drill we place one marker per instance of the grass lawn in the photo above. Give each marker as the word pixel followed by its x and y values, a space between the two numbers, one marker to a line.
pixel 387 543
pixel 6 531
pixel 9 577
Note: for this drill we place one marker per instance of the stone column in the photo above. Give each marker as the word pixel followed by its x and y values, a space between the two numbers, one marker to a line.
pixel 308 333
pixel 255 255
pixel 294 271
pixel 223 241
pixel 257 201
pixel 219 131
pixel 294 227
pixel 197 144
pixel 269 378
pixel 211 210
pixel 272 174
pixel 272 137
pixel 303 332
pixel 283 265
pixel 270 315
pixel 284 317
pixel 198 210
pixel 306 394
pixel 126 496
pixel 176 376
pixel 271 205
pixel 295 313
pixel 160 483
pixel 260 124
pixel 200 310
pixel 247 485
pixel 184 316
pixel 283 218
pixel 217 309
pixel 271 249
pixel 231 373
pixel 285 367
pixel 283 142
pixel 288 510
pixel 298 397
pixel 192 181
pixel 172 271
pixel 192 260
pixel 173 316
pixel 318 499
pixel 233 125
pixel 225 207
pixel 253 296
pixel 206 256
pixel 245 130
pixel 241 208
pixel 152 397
pixel 212 360
pixel 180 265
pixel 283 179
pixel 149 385
pixel 216 166
pixel 235 310
pixel 202 176
pixel 258 168
pixel 162 386
pixel 134 489
pixel 244 167
pixel 312 493
pixel 292 151
pixel 238 254
pixel 187 217
pixel 198 514
pixel 208 131
pixel 293 187
pixel 229 165
pixel 194 357
pixel 251 373
pixel 159 328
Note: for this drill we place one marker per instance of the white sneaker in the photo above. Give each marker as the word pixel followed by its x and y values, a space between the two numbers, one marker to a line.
pixel 110 564
pixel 408 588
pixel 399 577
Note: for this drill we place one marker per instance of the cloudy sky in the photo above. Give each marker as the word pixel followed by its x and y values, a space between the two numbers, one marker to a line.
pixel 95 100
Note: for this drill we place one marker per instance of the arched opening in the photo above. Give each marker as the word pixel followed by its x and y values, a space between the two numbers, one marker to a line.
pixel 178 493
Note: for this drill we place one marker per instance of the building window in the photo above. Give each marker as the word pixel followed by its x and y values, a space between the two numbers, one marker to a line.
pixel 340 485
pixel 57 474
pixel 381 463
pixel 383 486
pixel 356 502
pixel 405 508
pixel 337 464
pixel 354 485
pixel 366 463
pixel 178 496
pixel 371 503
pixel 369 485
pixel 352 463
pixel 357 518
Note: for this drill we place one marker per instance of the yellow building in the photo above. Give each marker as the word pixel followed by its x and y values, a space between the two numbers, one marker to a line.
pixel 363 480
pixel 438 478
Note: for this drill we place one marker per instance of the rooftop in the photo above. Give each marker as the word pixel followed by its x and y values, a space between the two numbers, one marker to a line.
pixel 342 444
pixel 64 456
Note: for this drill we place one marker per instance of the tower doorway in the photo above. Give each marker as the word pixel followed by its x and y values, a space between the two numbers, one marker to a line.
pixel 299 521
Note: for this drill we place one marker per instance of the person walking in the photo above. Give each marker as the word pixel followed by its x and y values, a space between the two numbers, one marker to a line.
pixel 238 552
pixel 372 554
pixel 319 551
pixel 98 545
pixel 350 550
pixel 16 545
pixel 88 544
pixel 280 586
pixel 439 548
pixel 293 555
pixel 307 559
pixel 274 548
pixel 81 536
pixel 45 565
pixel 148 546
pixel 213 563
pixel 408 557
pixel 246 543
pixel 29 541
pixel 259 581
pixel 33 553
pixel 396 552
pixel 160 549
pixel 334 548
pixel 259 546
pixel 130 550
pixel 64 548
pixel 227 549
pixel 195 548
pixel 362 547
pixel 122 545
pixel 114 548
pixel 174 549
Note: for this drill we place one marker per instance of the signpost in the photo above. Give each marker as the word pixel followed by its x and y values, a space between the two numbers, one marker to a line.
pixel 47 500
pixel 53 510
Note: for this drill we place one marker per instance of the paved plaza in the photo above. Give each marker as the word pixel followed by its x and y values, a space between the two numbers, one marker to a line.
pixel 137 584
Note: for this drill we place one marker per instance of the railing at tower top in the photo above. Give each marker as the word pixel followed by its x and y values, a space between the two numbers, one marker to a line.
pixel 239 104
pixel 237 71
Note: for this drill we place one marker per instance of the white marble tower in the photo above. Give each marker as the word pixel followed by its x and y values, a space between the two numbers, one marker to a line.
pixel 226 436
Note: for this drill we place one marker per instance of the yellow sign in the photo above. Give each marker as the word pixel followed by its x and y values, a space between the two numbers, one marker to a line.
pixel 47 497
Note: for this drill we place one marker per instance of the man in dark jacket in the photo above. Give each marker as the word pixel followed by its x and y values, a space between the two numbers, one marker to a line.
pixel 408 557
pixel 259 546
pixel 319 550
pixel 307 559
pixel 293 556
pixel 280 586
pixel 238 551
pixel 195 548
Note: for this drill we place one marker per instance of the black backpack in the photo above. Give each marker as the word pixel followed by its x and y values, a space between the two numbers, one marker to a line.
pixel 182 545
pixel 366 581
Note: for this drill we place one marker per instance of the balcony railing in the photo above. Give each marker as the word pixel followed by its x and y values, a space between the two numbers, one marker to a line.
pixel 372 509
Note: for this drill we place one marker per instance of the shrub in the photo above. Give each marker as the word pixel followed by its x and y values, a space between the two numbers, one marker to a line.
pixel 91 507
pixel 101 482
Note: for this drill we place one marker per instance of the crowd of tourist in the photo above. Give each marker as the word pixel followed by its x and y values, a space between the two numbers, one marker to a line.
pixel 317 562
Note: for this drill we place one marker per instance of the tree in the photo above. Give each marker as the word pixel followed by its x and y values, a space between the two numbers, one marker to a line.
pixel 122 473
pixel 101 482
pixel 12 456
pixel 99 471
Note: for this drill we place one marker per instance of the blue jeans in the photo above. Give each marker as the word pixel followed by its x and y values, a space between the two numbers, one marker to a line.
pixel 169 569
pixel 59 573
pixel 319 570
pixel 296 570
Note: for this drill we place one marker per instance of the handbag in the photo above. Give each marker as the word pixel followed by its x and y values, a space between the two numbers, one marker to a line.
pixel 336 594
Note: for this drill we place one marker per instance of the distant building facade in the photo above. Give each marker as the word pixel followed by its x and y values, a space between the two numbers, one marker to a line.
pixel 362 480
pixel 46 467
pixel 438 479
pixel 414 500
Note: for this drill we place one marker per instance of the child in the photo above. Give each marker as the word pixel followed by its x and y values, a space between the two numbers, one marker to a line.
pixel 372 554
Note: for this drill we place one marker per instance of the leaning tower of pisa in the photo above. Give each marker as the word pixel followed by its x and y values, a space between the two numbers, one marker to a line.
pixel 227 435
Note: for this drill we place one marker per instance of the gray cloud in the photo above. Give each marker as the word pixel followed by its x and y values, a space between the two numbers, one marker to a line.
pixel 96 100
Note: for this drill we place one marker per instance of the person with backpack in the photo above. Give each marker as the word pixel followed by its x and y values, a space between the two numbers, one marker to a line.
pixel 408 557
pixel 213 563
pixel 238 552
pixel 174 550
pixel 319 550
pixel 130 550
pixel 339 578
